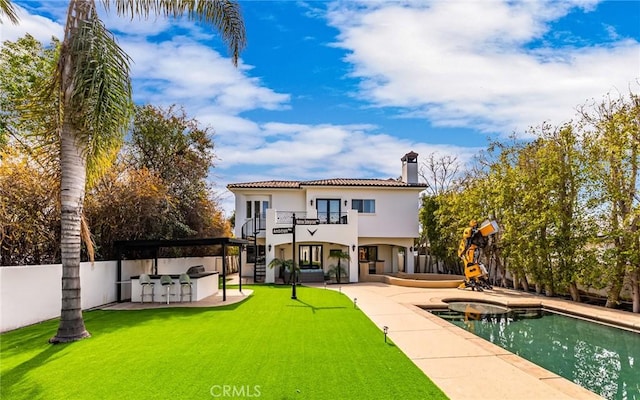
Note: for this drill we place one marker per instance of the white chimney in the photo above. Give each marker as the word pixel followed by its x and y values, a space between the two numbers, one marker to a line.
pixel 410 167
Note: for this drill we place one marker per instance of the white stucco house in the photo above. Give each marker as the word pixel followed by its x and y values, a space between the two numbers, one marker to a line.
pixel 375 221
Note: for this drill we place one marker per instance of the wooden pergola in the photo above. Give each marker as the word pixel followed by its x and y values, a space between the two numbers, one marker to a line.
pixel 125 246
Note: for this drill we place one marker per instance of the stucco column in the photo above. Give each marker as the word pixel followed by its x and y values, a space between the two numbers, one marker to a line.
pixel 408 255
pixel 353 264
pixel 270 274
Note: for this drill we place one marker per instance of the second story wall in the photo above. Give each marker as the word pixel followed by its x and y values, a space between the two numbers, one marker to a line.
pixel 383 212
pixel 289 200
pixel 395 210
pixel 396 213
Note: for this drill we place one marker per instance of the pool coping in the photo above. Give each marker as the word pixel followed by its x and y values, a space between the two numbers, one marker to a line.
pixel 551 305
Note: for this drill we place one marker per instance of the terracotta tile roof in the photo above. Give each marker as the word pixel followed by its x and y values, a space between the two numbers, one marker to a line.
pixel 265 185
pixel 324 182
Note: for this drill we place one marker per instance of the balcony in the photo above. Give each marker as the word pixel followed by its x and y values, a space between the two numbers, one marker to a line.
pixel 333 218
pixel 324 218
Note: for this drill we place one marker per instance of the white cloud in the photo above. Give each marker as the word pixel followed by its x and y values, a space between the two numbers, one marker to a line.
pixel 185 71
pixel 466 63
pixel 306 152
pixel 39 27
pixel 136 26
pixel 298 151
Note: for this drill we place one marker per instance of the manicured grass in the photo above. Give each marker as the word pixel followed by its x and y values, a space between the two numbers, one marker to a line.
pixel 269 346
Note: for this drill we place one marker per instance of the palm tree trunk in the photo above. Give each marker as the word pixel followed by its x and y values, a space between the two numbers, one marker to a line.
pixel 73 177
pixel 73 173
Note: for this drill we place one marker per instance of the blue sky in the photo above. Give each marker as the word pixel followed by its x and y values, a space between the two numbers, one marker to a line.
pixel 344 89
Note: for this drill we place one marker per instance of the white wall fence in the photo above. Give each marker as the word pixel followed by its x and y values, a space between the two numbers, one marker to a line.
pixel 32 294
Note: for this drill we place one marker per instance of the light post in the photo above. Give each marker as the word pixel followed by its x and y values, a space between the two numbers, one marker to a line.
pixel 293 267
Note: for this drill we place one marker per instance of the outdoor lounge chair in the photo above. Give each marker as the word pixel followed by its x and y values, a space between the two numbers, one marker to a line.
pixel 185 282
pixel 167 282
pixel 145 282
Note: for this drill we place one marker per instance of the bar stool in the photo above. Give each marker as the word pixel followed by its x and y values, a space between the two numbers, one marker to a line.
pixel 185 282
pixel 167 282
pixel 145 282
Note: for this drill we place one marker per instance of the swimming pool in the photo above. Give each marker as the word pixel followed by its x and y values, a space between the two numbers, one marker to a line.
pixel 600 358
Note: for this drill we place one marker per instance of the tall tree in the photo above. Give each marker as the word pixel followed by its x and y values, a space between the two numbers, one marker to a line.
pixel 29 212
pixel 611 132
pixel 26 65
pixel 162 170
pixel 439 174
pixel 563 174
pixel 29 167
pixel 180 152
pixel 93 84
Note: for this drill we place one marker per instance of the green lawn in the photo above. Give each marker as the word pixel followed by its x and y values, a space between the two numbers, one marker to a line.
pixel 269 346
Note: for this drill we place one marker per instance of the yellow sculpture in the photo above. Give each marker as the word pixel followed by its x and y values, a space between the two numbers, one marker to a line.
pixel 473 240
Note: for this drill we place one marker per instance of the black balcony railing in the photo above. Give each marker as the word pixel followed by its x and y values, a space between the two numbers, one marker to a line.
pixel 253 226
pixel 333 217
pixel 286 217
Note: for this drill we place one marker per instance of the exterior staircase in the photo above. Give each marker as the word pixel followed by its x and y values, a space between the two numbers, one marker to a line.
pixel 250 231
pixel 260 272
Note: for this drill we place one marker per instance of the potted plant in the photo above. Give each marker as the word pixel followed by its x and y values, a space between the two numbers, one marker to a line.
pixel 285 267
pixel 335 272
pixel 338 270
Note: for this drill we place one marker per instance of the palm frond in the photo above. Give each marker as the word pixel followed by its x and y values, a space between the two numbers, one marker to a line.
pixel 6 8
pixel 224 15
pixel 101 103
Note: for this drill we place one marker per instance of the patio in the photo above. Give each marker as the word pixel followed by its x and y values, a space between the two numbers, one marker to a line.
pixel 463 365
pixel 233 296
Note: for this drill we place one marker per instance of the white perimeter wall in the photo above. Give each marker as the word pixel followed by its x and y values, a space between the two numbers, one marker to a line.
pixel 32 294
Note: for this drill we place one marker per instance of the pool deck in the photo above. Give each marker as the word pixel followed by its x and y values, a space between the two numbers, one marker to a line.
pixel 463 365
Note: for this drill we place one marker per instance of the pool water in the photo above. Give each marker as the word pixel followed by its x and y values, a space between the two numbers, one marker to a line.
pixel 600 358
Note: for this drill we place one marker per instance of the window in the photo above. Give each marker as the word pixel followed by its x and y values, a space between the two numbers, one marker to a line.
pixel 367 206
pixel 328 211
pixel 251 254
pixel 367 253
pixel 310 256
pixel 254 209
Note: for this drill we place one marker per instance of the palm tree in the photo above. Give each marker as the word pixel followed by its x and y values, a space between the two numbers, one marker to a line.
pixel 6 8
pixel 284 266
pixel 93 86
pixel 337 269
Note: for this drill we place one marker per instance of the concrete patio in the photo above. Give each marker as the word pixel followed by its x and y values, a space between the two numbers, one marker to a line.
pixel 233 296
pixel 463 365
